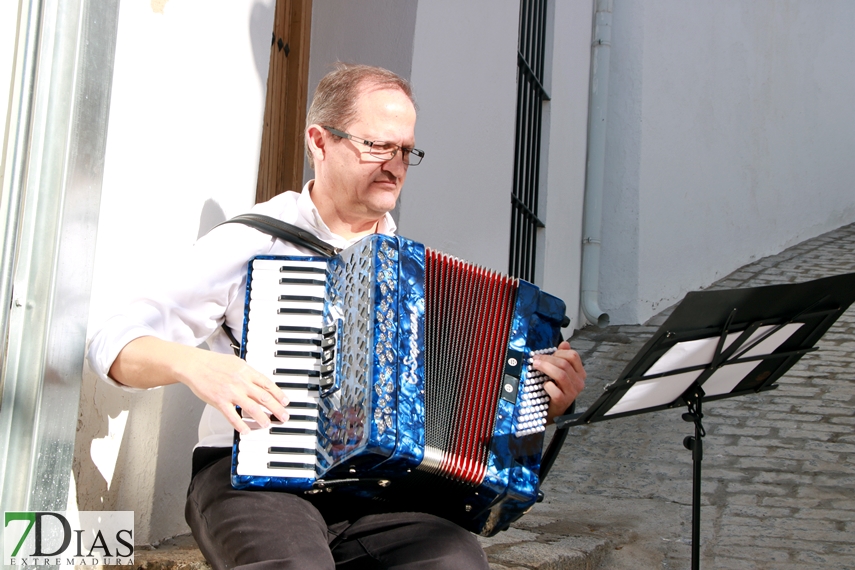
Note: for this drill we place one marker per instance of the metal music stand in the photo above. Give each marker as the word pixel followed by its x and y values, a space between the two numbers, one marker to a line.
pixel 720 344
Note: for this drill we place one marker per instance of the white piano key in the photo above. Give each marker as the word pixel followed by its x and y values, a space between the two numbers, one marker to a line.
pixel 265 361
pixel 263 448
pixel 265 339
pixel 304 306
pixel 272 320
pixel 256 465
pixel 257 433
pixel 277 264
pixel 267 310
pixel 283 341
pixel 272 291
pixel 301 402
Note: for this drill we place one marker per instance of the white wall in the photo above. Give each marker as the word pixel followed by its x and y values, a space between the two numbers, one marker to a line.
pixel 370 32
pixel 566 128
pixel 731 136
pixel 182 154
pixel 464 72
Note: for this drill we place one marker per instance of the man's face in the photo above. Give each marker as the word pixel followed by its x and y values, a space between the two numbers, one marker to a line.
pixel 365 186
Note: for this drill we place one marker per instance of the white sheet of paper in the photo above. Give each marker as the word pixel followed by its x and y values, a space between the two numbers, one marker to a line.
pixel 646 394
pixel 726 378
pixel 656 392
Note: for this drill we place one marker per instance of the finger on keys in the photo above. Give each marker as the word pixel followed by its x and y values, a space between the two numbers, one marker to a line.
pixel 234 418
pixel 262 406
pixel 553 365
pixel 564 368
pixel 273 406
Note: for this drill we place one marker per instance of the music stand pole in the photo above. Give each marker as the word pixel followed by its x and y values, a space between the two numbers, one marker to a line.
pixel 696 446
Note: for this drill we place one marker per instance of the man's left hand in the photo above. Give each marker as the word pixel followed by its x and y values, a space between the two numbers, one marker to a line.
pixel 566 378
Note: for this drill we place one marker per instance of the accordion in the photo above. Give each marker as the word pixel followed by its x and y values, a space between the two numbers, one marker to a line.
pixel 408 376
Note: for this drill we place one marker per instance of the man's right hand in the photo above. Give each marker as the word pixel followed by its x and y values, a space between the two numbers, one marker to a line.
pixel 221 380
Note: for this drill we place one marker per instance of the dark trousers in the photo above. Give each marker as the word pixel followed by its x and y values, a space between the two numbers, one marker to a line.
pixel 268 529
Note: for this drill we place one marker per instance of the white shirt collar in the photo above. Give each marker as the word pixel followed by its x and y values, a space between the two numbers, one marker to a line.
pixel 312 218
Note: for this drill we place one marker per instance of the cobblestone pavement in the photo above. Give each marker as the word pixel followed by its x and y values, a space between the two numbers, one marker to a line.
pixel 778 475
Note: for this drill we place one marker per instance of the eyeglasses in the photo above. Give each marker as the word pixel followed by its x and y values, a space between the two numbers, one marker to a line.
pixel 384 150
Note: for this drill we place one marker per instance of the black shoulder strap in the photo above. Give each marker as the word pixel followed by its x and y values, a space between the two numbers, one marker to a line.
pixel 284 231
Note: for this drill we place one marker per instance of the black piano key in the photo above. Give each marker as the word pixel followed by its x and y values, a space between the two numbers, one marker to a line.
pixel 285 340
pixel 289 465
pixel 301 418
pixel 288 328
pixel 303 405
pixel 281 430
pixel 297 386
pixel 298 353
pixel 296 372
pixel 301 269
pixel 300 311
pixel 301 298
pixel 298 281
pixel 292 450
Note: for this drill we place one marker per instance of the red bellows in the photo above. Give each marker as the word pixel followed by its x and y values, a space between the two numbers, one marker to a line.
pixel 468 312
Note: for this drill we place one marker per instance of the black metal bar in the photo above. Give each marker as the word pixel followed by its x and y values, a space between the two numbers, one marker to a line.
pixel 696 446
pixel 538 134
pixel 531 95
pixel 537 55
pixel 543 22
pixel 527 213
pixel 525 28
pixel 530 74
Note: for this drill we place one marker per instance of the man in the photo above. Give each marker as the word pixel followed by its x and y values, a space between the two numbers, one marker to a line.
pixel 152 343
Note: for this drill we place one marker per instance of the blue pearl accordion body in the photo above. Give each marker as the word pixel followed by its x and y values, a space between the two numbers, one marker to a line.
pixel 388 360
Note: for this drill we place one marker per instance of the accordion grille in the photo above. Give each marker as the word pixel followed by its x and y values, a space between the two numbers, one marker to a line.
pixel 468 314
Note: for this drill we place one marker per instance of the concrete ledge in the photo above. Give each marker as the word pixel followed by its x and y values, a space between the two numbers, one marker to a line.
pixel 543 541
pixel 179 553
pixel 515 549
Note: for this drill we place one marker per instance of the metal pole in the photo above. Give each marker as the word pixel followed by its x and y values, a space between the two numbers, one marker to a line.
pixel 55 155
pixel 696 446
pixel 594 176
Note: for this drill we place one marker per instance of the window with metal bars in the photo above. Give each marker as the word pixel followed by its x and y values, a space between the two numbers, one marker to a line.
pixel 531 97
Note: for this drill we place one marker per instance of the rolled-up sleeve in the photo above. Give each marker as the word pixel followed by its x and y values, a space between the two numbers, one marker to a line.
pixel 187 298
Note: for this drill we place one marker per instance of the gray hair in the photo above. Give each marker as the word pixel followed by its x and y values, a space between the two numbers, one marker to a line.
pixel 334 104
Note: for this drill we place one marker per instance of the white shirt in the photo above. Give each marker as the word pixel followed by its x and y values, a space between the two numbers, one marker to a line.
pixel 200 288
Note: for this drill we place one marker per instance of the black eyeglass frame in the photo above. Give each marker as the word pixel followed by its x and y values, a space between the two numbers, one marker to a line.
pixel 406 156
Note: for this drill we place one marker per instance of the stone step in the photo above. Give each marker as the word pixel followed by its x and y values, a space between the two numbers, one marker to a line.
pixel 516 549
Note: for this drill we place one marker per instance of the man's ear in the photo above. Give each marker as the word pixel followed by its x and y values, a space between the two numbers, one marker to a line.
pixel 316 142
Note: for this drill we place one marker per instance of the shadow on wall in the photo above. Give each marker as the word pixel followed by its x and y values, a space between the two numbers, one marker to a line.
pixel 133 449
pixel 212 214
